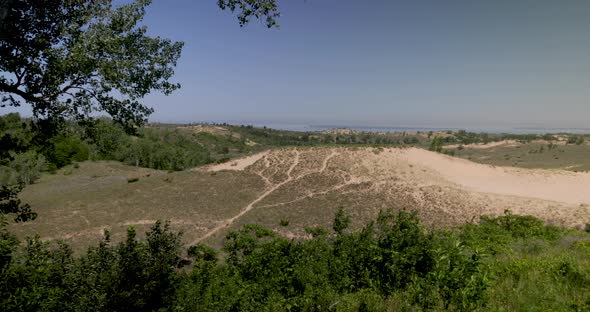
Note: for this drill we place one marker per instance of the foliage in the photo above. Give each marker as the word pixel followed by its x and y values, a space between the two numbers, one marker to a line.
pixel 393 256
pixel 25 168
pixel 65 149
pixel 267 9
pixel 493 234
pixel 436 145
pixel 391 262
pixel 11 204
pixel 70 58
pixel 578 140
pixel 341 221
pixel 131 276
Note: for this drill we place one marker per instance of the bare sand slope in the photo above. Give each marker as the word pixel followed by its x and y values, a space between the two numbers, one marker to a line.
pixel 554 185
pixel 237 164
pixel 505 143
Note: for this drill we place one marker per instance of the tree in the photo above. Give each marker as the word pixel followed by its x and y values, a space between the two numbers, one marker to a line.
pixel 258 9
pixel 69 58
pixel 341 221
pixel 10 203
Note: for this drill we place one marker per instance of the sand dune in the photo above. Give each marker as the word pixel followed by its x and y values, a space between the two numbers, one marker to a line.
pixel 555 185
pixel 305 186
pixel 444 189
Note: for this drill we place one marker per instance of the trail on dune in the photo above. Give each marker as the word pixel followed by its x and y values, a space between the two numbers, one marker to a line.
pixel 273 187
pixel 414 171
pixel 249 207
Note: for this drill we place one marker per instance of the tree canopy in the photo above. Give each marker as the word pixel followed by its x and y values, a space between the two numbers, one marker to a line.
pixel 259 9
pixel 68 58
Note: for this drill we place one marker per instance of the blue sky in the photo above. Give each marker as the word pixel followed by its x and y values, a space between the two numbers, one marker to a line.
pixel 452 63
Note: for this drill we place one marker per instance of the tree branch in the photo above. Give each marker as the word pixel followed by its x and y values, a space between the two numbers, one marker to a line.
pixel 4 87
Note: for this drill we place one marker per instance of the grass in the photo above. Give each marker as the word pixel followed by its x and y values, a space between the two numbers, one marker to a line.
pixel 77 207
pixel 541 276
pixel 77 204
pixel 532 155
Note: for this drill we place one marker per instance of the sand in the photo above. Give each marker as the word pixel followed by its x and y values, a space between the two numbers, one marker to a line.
pixel 504 143
pixel 554 185
pixel 430 168
pixel 237 164
pixel 444 189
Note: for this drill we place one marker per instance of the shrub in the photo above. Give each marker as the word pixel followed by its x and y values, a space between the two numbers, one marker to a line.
pixel 28 166
pixel 493 234
pixel 341 221
pixel 65 149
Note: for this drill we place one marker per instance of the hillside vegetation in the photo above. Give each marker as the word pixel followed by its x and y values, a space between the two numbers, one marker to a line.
pixel 391 264
pixel 27 151
pixel 306 222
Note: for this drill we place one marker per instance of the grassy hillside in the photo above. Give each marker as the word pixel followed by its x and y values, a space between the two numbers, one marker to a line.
pixel 532 155
pixel 548 151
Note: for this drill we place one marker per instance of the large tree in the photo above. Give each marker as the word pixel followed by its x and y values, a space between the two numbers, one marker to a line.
pixel 69 58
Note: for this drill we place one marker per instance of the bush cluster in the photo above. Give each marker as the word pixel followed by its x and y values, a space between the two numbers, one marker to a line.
pixel 393 263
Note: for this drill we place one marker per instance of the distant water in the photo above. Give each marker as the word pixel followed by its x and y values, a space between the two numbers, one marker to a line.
pixel 524 130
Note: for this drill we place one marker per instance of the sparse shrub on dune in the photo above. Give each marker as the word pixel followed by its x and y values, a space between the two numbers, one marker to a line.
pixel 27 167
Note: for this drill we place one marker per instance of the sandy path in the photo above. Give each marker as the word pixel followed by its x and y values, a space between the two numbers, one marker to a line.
pixel 553 185
pixel 273 187
pixel 250 206
pixel 504 143
pixel 237 164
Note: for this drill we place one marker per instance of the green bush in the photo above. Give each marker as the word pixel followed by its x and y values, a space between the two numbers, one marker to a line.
pixel 66 149
pixel 11 204
pixel 391 263
pixel 493 234
pixel 27 167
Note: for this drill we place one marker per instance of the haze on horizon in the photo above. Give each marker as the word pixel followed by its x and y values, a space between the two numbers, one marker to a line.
pixel 455 63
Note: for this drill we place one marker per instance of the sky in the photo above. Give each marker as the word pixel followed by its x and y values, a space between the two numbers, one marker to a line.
pixel 452 63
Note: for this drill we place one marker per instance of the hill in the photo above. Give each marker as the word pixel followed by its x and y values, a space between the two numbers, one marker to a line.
pixel 291 189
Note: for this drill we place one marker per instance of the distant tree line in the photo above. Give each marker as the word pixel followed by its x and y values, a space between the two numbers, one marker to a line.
pixel 28 150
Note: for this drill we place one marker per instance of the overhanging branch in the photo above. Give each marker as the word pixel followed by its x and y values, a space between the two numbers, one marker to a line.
pixel 4 87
